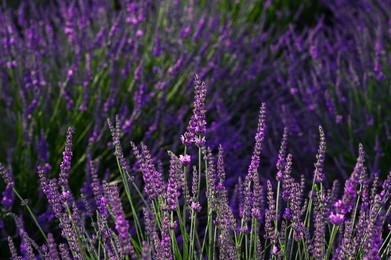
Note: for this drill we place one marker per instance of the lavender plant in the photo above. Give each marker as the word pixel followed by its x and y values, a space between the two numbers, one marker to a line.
pixel 190 216
pixel 338 74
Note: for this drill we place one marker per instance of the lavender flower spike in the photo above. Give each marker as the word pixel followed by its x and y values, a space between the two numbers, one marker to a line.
pixel 14 254
pixel 7 177
pixel 66 162
pixel 197 124
pixel 281 155
pixel 173 183
pixel 165 243
pixel 319 174
pixel 346 204
pixel 259 136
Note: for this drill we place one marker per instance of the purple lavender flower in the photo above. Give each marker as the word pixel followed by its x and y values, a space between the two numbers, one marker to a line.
pixel 287 179
pixel 54 198
pixel 116 133
pixel 346 204
pixel 197 125
pixel 14 254
pixel 258 199
pixel 69 233
pixel 8 197
pixel 185 159
pixel 346 249
pixel 174 184
pixel 220 167
pixel 270 215
pixel 66 162
pixel 319 223
pixel 226 247
pixel 318 173
pixel 145 254
pixel 374 230
pixel 193 201
pixel 211 174
pixel 64 252
pixel 259 136
pixel 97 190
pixel 281 155
pixel 152 178
pixel 53 253
pixel 165 243
pixel 27 246
pixel 7 176
pixel 121 225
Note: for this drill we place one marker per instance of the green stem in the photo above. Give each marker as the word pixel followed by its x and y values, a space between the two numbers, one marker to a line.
pixel 334 232
pixel 31 214
pixel 127 191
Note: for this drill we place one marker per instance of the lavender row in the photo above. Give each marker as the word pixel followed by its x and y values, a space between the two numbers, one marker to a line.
pixel 193 215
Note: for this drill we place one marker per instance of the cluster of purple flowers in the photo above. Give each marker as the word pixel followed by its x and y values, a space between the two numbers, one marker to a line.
pixel 288 222
pixel 85 62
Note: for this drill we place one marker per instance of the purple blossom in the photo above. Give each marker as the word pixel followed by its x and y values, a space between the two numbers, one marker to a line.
pixel 318 173
pixel 259 136
pixel 64 252
pixel 116 133
pixel 7 176
pixel 53 253
pixel 270 215
pixel 14 253
pixel 8 197
pixel 152 178
pixel 197 125
pixel 346 204
pixel 121 224
pixel 165 243
pixel 193 201
pixel 66 162
pixel 185 159
pixel 145 254
pixel 320 226
pixel 281 155
pixel 220 168
pixel 174 184
pixel 211 193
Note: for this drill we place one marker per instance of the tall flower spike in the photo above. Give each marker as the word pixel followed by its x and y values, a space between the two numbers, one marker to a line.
pixel 66 161
pixel 319 223
pixel 270 215
pixel 116 134
pixel 64 252
pixel 259 136
pixel 287 179
pixel 152 178
pixel 281 155
pixel 53 253
pixel 258 200
pixel 165 243
pixel 247 195
pixel 145 254
pixel 121 225
pixel 8 197
pixel 318 173
pixel 14 254
pixel 173 183
pixel 211 191
pixel 220 166
pixel 197 126
pixel 347 203
pixel 194 203
pixel 6 175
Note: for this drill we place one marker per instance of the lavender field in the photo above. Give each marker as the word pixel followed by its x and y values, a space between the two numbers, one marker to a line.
pixel 181 129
